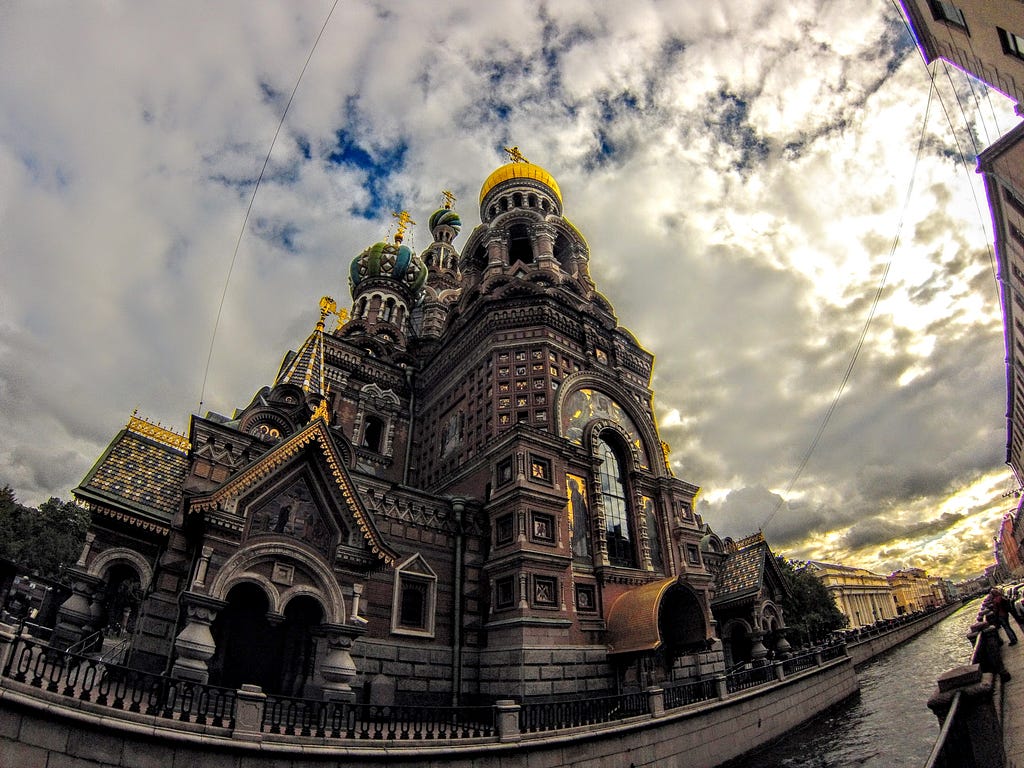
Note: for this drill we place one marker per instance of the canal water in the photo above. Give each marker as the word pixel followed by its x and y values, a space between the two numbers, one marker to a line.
pixel 888 724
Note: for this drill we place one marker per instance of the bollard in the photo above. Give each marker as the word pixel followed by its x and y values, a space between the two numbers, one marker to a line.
pixel 249 705
pixel 507 720
pixel 723 687
pixel 656 701
pixel 976 735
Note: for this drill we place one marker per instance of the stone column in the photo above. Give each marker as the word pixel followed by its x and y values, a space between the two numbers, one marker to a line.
pixel 507 720
pixel 194 645
pixel 337 668
pixel 250 701
pixel 75 616
pixel 757 649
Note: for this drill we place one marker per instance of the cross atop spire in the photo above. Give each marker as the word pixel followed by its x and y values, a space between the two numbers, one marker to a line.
pixel 449 199
pixel 515 155
pixel 404 220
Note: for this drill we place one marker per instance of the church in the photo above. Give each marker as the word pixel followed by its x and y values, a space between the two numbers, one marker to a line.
pixel 453 491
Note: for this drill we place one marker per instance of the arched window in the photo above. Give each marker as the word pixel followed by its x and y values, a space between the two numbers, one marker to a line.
pixel 388 311
pixel 520 247
pixel 617 517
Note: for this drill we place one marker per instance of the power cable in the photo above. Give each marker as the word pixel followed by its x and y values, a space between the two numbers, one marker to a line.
pixel 252 199
pixel 867 324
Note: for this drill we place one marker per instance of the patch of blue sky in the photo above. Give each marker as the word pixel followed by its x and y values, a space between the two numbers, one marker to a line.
pixel 378 166
pixel 281 235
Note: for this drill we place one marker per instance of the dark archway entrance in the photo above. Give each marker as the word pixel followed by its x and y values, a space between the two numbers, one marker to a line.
pixel 121 600
pixel 258 649
pixel 737 645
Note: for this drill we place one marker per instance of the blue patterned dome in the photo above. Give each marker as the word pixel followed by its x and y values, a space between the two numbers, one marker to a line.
pixel 389 260
pixel 445 217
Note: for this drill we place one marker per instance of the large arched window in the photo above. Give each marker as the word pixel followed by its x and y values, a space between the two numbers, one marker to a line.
pixel 617 518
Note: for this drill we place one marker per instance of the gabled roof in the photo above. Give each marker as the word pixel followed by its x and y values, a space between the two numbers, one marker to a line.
pixel 138 478
pixel 745 570
pixel 316 435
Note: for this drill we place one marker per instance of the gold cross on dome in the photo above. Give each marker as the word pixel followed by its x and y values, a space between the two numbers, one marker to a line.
pixel 404 220
pixel 449 198
pixel 515 155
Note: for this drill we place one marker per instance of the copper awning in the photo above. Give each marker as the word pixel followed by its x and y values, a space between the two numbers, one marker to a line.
pixel 633 619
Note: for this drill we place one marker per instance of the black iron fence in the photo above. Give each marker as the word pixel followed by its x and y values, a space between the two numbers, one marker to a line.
pixel 799 663
pixel 87 679
pixel 682 694
pixel 343 720
pixel 749 678
pixel 535 717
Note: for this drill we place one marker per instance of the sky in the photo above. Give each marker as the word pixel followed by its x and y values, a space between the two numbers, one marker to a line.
pixel 747 174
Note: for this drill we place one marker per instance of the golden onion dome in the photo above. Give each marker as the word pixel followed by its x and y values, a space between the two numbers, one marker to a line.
pixel 520 170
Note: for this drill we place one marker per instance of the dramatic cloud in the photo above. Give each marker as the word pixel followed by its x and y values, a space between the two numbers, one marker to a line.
pixel 739 169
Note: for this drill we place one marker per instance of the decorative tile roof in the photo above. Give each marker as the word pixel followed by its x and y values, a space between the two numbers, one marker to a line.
pixel 138 478
pixel 742 573
pixel 306 369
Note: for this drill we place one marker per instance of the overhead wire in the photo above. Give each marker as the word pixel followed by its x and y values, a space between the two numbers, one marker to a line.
pixel 252 199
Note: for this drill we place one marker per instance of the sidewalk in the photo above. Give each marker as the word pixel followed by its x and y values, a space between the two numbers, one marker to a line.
pixel 1013 705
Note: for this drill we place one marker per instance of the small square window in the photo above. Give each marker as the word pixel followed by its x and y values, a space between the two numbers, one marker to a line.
pixel 504 402
pixel 504 387
pixel 522 385
pixel 545 591
pixel 586 599
pixel 521 401
pixel 520 370
pixel 505 471
pixel 504 592
pixel 520 356
pixel 503 530
pixel 538 354
pixel 504 419
pixel 503 357
pixel 1013 45
pixel 542 527
pixel 601 355
pixel 538 367
pixel 538 383
pixel 692 554
pixel 540 468
pixel 503 371
pixel 943 10
pixel 540 416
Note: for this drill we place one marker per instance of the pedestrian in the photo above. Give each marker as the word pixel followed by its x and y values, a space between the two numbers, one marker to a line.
pixel 1000 608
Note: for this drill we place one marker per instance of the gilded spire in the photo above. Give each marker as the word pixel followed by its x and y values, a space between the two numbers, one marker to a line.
pixel 306 369
pixel 449 199
pixel 515 155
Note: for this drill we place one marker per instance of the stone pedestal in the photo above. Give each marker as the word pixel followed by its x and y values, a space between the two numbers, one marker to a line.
pixel 194 645
pixel 337 669
pixel 976 735
pixel 75 617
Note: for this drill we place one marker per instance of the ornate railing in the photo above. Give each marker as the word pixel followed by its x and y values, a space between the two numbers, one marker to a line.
pixel 833 651
pixel 749 678
pixel 87 679
pixel 535 717
pixel 682 694
pixel 342 720
pixel 796 664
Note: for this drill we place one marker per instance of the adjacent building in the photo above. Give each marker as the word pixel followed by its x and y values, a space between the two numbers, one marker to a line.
pixel 861 596
pixel 982 37
pixel 913 590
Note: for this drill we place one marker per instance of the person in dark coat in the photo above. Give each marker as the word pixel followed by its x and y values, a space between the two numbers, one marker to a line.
pixel 1000 608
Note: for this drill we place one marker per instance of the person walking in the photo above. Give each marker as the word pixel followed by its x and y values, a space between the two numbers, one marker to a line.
pixel 1000 608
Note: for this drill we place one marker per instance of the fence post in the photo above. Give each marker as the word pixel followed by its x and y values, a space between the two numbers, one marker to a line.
pixel 723 687
pixel 780 673
pixel 656 701
pixel 250 701
pixel 506 718
pixel 7 638
pixel 819 657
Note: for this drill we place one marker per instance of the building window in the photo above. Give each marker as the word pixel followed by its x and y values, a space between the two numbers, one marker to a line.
pixel 373 433
pixel 692 554
pixel 1014 202
pixel 545 591
pixel 415 598
pixel 586 599
pixel 504 531
pixel 618 526
pixel 601 355
pixel 943 10
pixel 1013 45
pixel 540 469
pixel 505 471
pixel 542 527
pixel 504 592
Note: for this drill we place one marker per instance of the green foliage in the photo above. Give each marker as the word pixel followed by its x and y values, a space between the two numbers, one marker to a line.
pixel 810 611
pixel 44 539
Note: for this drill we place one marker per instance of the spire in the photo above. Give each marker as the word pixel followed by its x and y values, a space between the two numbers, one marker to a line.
pixel 306 369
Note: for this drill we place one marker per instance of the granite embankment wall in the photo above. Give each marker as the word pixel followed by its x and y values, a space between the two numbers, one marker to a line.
pixel 38 731
pixel 866 648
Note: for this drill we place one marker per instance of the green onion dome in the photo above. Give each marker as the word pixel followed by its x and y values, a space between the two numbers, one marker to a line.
pixel 389 260
pixel 445 217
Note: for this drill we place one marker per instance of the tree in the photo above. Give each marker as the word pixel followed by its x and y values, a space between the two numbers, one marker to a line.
pixel 41 540
pixel 811 612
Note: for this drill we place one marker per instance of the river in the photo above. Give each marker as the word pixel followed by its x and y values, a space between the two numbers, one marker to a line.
pixel 888 724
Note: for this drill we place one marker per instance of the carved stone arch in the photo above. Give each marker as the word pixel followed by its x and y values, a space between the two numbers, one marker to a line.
pixel 376 417
pixel 265 585
pixel 770 616
pixel 239 567
pixel 104 561
pixel 304 590
pixel 640 418
pixel 731 623
pixel 598 426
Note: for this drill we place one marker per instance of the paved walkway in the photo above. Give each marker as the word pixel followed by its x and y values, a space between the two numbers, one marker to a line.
pixel 1013 705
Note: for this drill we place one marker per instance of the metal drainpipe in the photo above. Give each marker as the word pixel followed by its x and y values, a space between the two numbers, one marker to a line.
pixel 412 422
pixel 458 509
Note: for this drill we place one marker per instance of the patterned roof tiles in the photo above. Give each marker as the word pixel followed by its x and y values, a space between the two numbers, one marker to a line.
pixel 742 572
pixel 137 477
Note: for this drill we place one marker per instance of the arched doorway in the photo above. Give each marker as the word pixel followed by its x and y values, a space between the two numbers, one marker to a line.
pixel 737 644
pixel 121 600
pixel 277 653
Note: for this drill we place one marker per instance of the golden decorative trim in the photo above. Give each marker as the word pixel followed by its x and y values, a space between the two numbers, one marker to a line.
pixel 128 518
pixel 162 435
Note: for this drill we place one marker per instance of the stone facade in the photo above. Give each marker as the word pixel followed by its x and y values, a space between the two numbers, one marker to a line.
pixel 439 500
pixel 861 596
